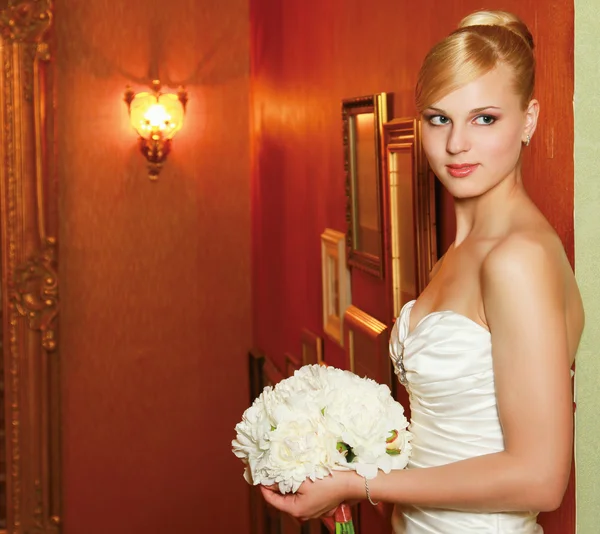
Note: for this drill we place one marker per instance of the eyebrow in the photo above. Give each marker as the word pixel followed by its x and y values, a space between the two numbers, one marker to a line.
pixel 476 110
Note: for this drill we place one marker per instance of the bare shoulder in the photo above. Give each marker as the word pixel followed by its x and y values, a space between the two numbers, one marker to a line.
pixel 527 254
pixel 526 278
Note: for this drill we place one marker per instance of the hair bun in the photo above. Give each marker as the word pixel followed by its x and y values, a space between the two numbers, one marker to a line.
pixel 499 18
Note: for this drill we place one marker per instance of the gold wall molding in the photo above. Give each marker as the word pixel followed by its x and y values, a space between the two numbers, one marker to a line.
pixel 36 293
pixel 25 21
pixel 29 283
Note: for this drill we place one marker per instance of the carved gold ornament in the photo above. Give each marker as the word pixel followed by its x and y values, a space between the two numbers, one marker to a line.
pixel 25 21
pixel 36 297
pixel 29 290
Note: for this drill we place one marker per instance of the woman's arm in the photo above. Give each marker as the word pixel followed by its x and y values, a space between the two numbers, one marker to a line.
pixel 523 296
pixel 524 300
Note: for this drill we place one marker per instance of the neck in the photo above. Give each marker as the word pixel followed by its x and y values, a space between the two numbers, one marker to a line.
pixel 488 215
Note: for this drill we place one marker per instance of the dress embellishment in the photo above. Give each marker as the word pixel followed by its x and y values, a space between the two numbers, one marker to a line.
pixel 399 366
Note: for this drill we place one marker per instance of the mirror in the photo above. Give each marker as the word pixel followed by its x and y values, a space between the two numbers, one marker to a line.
pixel 410 212
pixel 362 120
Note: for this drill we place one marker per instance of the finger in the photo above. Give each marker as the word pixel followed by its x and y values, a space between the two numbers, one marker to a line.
pixel 277 500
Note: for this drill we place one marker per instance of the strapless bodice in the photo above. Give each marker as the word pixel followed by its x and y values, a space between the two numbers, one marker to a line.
pixel 446 365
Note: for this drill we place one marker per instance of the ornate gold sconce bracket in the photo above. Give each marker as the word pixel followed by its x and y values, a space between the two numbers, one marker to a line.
pixel 155 150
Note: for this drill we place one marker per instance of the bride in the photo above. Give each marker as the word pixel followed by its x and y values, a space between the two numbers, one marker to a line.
pixel 485 351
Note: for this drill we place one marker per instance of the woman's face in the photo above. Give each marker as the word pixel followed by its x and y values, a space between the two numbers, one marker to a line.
pixel 473 136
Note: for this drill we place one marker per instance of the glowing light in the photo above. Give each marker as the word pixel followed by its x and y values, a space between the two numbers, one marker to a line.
pixel 156 117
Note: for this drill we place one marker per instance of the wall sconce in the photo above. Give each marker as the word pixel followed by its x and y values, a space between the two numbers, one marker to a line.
pixel 156 117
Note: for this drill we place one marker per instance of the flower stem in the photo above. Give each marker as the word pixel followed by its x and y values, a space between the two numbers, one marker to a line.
pixel 344 528
pixel 343 520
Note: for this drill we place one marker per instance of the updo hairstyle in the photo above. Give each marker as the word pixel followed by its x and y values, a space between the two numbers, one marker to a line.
pixel 483 40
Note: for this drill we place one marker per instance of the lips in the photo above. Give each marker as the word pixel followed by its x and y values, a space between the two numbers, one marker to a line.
pixel 460 170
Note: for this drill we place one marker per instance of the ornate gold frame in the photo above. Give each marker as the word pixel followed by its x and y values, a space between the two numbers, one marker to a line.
pixel 28 208
pixel 373 108
pixel 402 145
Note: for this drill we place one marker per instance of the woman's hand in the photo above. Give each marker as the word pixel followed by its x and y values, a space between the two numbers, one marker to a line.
pixel 315 499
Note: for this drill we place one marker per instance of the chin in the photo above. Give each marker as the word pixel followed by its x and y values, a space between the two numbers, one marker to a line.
pixel 464 190
pixel 463 196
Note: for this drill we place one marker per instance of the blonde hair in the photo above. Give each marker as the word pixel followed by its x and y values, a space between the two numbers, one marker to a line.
pixel 482 41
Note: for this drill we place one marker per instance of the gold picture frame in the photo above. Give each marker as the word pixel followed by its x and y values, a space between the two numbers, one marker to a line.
pixel 410 219
pixel 335 276
pixel 367 342
pixel 312 348
pixel 362 123
pixel 30 493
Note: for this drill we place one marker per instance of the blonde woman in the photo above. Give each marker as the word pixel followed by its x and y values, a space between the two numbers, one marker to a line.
pixel 486 350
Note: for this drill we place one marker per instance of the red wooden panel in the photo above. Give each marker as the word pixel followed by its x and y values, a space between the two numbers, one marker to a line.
pixel 306 57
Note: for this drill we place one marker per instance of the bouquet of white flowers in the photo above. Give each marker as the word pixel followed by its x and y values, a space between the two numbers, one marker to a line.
pixel 320 420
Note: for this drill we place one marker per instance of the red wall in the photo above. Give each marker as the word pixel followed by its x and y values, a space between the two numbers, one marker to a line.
pixel 155 277
pixel 308 55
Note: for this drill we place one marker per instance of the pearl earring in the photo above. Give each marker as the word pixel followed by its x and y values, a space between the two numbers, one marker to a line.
pixel 527 140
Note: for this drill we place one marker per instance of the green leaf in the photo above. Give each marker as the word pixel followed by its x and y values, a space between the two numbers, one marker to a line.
pixel 346 450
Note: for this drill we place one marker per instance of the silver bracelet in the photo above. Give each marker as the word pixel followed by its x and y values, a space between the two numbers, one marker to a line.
pixel 369 493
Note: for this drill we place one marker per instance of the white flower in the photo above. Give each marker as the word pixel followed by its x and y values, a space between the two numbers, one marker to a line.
pixel 292 432
pixel 252 439
pixel 364 419
pixel 300 449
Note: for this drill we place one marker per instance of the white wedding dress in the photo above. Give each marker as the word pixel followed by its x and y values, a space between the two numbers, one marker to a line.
pixel 446 365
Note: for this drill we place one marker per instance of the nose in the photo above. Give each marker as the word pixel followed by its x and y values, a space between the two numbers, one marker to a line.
pixel 458 140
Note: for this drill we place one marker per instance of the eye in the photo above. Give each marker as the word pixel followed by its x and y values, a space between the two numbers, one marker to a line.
pixel 485 120
pixel 438 120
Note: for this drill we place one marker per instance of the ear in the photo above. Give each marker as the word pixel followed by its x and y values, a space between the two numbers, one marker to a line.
pixel 531 117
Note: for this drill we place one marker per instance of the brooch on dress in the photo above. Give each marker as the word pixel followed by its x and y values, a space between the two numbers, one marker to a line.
pixel 399 366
